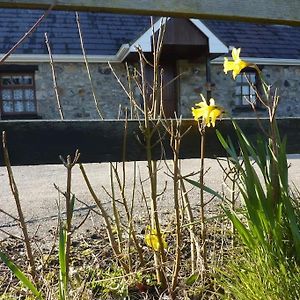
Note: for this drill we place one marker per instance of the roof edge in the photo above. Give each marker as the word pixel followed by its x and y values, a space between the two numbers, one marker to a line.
pixel 65 58
pixel 264 61
pixel 214 43
pixel 122 53
pixel 144 41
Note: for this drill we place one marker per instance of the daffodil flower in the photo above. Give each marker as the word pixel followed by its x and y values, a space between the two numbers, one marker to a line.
pixel 209 113
pixel 237 65
pixel 151 240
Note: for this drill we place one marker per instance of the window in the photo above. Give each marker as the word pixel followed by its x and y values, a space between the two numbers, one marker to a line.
pixel 17 94
pixel 245 89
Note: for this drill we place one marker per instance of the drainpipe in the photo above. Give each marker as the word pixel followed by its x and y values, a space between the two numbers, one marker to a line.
pixel 208 77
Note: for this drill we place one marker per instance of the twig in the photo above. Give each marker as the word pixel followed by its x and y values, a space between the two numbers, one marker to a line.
pixel 28 33
pixel 202 203
pixel 54 77
pixel 69 164
pixel 109 229
pixel 15 192
pixel 9 215
pixel 12 235
pixel 90 207
pixel 128 94
pixel 175 143
pixel 132 231
pixel 96 100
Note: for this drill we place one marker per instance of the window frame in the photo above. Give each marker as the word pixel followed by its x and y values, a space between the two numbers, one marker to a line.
pixel 240 101
pixel 22 87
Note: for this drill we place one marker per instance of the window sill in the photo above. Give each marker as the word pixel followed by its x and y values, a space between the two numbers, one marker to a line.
pixel 247 108
pixel 21 117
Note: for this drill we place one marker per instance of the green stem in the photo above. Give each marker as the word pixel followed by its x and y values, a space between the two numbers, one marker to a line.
pixel 202 203
pixel 176 171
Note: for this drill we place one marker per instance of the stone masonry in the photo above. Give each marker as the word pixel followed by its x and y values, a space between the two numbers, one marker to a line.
pixel 192 82
pixel 75 92
pixel 77 100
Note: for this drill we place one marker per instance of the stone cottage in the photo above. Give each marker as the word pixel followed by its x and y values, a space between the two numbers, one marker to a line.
pixel 192 60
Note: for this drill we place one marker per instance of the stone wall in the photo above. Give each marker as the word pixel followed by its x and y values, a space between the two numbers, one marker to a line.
pixel 75 91
pixel 287 80
pixel 78 103
pixel 192 83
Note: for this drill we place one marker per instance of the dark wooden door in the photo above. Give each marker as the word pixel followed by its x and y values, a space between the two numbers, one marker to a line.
pixel 169 96
pixel 169 87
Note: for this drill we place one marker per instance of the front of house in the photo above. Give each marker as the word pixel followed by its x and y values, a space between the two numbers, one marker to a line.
pixel 192 63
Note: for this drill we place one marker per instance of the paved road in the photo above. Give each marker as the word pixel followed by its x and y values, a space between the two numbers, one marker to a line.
pixel 40 198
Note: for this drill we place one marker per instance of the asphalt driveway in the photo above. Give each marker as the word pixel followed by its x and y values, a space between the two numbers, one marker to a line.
pixel 41 202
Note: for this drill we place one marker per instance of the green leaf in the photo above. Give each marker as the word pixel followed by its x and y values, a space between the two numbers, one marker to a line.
pixel 293 223
pixel 62 263
pixel 20 275
pixel 244 233
pixel 227 146
pixel 192 279
pixel 205 188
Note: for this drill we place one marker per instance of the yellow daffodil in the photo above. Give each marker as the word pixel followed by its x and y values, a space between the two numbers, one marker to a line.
pixel 237 65
pixel 151 240
pixel 209 113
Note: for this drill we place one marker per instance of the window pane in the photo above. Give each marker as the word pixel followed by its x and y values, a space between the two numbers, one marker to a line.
pixel 18 94
pixel 17 80
pixel 19 107
pixel 6 95
pixel 239 78
pixel 29 106
pixel 245 100
pixel 29 95
pixel 252 78
pixel 245 90
pixel 7 106
pixel 6 80
pixel 27 80
pixel 252 98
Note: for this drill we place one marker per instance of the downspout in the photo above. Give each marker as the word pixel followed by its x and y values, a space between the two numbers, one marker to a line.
pixel 208 77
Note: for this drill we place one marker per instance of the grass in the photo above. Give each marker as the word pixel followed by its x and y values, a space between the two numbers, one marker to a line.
pixel 95 273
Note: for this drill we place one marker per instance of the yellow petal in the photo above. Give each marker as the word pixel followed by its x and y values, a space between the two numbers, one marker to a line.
pixel 228 65
pixel 151 240
pixel 239 66
pixel 206 114
pixel 198 113
pixel 236 53
pixel 203 98
pixel 212 102
pixel 215 113
pixel 201 104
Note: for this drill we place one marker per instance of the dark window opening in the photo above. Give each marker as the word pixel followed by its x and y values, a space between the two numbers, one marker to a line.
pixel 17 94
pixel 245 89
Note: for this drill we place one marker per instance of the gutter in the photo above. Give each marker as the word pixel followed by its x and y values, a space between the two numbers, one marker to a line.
pixel 263 61
pixel 64 58
pixel 124 50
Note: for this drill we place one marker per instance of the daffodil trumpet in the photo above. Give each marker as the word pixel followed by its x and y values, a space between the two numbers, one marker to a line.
pixel 237 65
pixel 152 241
pixel 207 112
